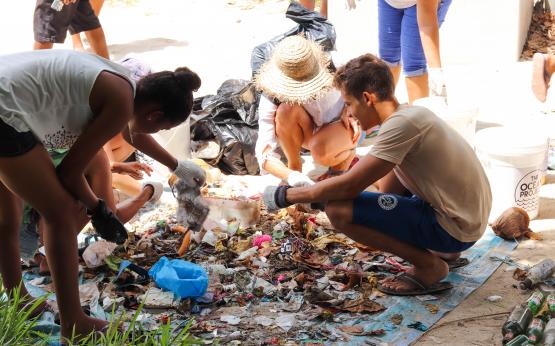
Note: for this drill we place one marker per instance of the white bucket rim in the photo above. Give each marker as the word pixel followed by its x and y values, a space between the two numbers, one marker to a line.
pixel 487 140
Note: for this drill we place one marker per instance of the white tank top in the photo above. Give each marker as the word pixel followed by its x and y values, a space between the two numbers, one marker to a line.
pixel 401 3
pixel 47 92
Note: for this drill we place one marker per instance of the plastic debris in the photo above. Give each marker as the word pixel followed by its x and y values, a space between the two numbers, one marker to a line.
pixel 494 299
pixel 95 253
pixel 185 279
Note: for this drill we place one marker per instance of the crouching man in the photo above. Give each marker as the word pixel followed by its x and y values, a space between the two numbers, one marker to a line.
pixel 434 198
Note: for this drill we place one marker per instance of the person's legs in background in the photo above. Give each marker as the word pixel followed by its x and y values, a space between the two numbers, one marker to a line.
pixel 413 58
pixel 389 36
pixel 86 20
pixel 76 38
pixel 543 67
pixel 49 25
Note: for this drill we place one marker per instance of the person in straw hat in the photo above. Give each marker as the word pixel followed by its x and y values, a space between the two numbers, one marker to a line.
pixel 434 197
pixel 299 109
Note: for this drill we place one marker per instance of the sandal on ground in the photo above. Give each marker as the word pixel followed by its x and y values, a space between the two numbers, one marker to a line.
pixel 540 79
pixel 458 263
pixel 158 190
pixel 419 287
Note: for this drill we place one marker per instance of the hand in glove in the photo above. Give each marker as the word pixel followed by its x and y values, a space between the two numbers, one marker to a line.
pixel 190 173
pixel 107 224
pixel 274 197
pixel 436 82
pixel 297 179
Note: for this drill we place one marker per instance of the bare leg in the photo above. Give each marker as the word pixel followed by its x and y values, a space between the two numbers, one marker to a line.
pixel 100 179
pixel 42 45
pixel 77 43
pixel 428 268
pixel 324 8
pixel 97 6
pixel 308 4
pixel 396 72
pixel 333 146
pixel 97 40
pixel 121 150
pixel 417 87
pixel 33 178
pixel 294 129
pixel 11 209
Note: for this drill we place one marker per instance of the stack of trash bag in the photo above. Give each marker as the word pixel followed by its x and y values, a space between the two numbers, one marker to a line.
pixel 309 23
pixel 230 119
pixel 224 127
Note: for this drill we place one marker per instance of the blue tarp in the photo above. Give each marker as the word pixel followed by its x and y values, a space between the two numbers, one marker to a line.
pixel 465 280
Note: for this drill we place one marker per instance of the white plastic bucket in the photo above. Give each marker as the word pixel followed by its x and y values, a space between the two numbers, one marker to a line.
pixel 462 118
pixel 514 160
pixel 177 141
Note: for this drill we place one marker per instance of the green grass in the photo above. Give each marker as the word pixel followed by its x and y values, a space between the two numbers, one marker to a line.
pixel 16 328
pixel 16 322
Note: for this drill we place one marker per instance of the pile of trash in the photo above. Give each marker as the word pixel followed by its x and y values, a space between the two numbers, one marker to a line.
pixel 533 323
pixel 258 277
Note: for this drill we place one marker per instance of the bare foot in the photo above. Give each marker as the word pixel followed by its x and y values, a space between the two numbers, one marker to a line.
pixel 447 257
pixel 428 275
pixel 83 327
pixel 146 193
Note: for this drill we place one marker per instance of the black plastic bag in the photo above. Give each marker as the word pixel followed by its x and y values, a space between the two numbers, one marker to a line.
pixel 233 123
pixel 312 24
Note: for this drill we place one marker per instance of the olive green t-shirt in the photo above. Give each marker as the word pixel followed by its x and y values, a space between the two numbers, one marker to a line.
pixel 436 164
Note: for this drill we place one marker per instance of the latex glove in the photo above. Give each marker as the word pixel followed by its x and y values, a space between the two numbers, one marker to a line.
pixel 274 197
pixel 107 224
pixel 190 173
pixel 350 4
pixel 297 179
pixel 436 82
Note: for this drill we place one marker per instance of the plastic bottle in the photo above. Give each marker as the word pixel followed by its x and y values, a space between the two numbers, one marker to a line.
pixel 535 330
pixel 549 333
pixel 535 301
pixel 516 323
pixel 551 304
pixel 538 273
pixel 520 340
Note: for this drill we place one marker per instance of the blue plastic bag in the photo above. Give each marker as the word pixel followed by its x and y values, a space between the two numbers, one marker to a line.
pixel 184 279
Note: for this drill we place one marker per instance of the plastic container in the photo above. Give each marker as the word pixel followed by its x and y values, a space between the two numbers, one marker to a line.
pixel 184 279
pixel 514 160
pixel 461 118
pixel 177 141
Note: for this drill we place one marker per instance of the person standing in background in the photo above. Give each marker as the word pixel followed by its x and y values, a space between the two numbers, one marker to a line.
pixel 409 36
pixel 50 25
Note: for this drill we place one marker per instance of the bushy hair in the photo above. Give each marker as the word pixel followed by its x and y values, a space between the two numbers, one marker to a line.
pixel 173 91
pixel 365 73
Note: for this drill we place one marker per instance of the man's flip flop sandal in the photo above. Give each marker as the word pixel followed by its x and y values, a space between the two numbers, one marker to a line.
pixel 458 263
pixel 419 289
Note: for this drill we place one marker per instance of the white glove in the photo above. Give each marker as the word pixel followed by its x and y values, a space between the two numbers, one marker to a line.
pixel 350 4
pixel 297 179
pixel 190 173
pixel 436 82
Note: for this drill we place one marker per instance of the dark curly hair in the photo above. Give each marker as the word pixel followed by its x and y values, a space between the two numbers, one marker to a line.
pixel 173 91
pixel 365 73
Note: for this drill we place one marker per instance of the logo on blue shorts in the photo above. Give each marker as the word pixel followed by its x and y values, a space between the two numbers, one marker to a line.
pixel 387 202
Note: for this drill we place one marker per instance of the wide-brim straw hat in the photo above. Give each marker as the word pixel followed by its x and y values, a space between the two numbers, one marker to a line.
pixel 296 73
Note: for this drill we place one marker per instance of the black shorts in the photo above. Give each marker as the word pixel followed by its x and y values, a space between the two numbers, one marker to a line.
pixel 51 26
pixel 13 143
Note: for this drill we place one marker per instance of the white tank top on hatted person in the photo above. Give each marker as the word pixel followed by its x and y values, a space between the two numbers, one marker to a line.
pixel 400 4
pixel 47 92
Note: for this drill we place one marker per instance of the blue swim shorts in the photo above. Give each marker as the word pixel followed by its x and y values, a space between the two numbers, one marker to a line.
pixel 408 219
